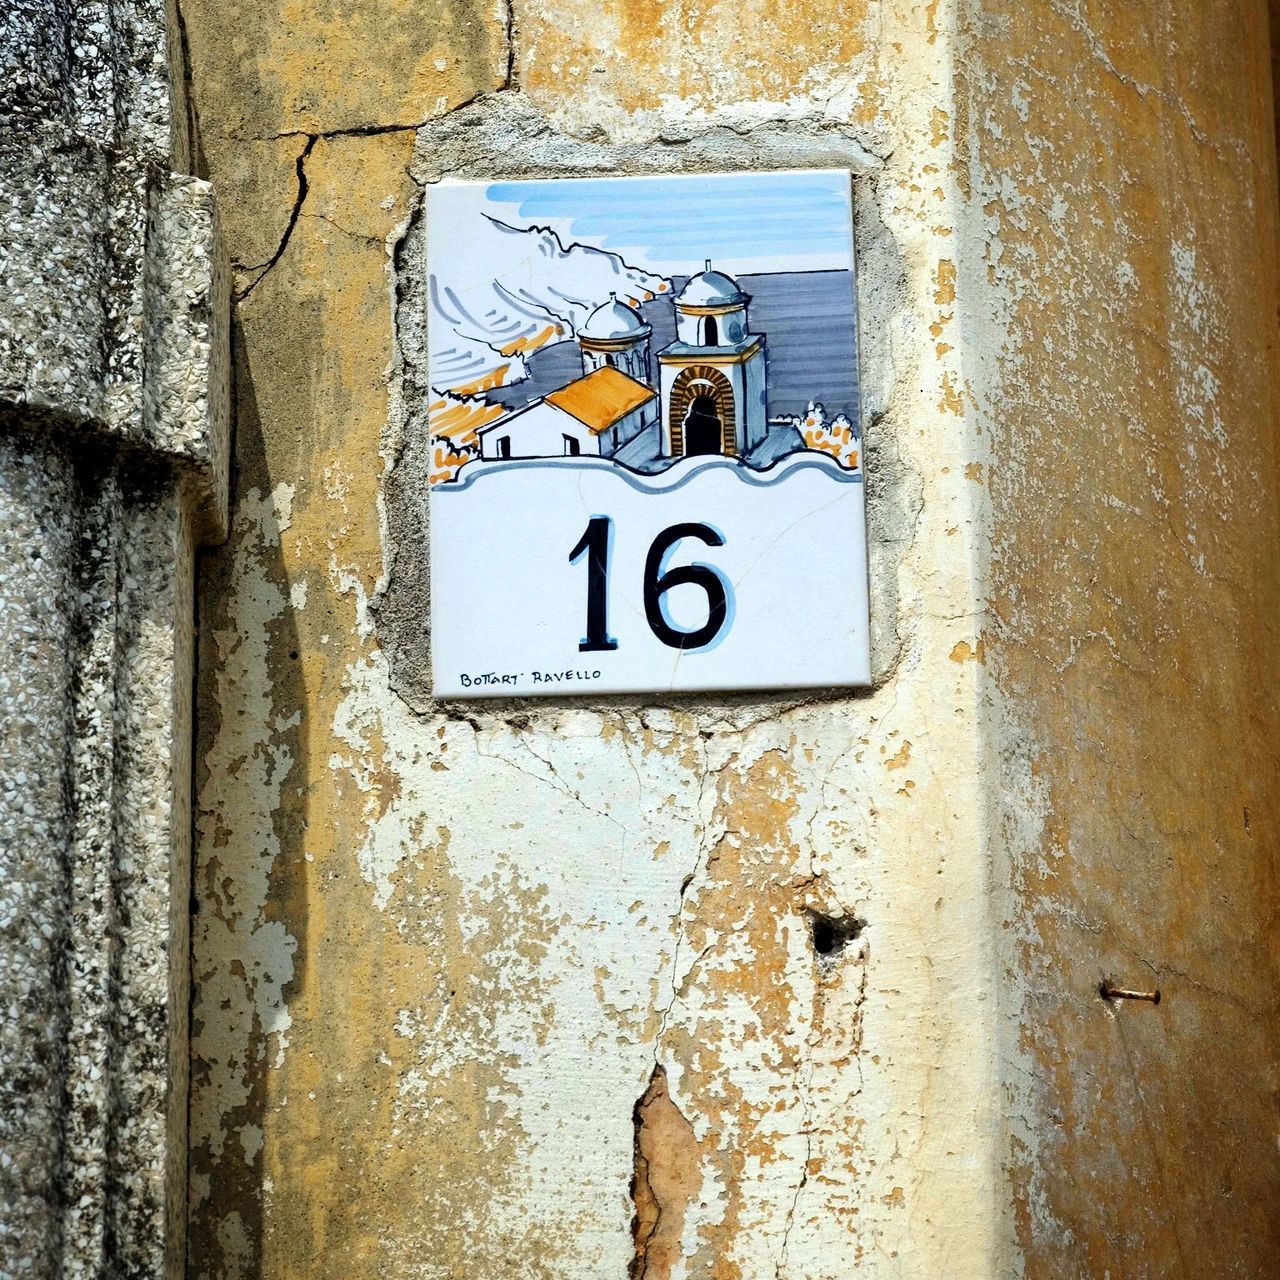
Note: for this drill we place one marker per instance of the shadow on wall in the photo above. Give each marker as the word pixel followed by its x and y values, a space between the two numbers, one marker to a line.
pixel 249 903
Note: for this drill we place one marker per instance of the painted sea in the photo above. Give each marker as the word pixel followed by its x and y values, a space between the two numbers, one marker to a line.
pixel 811 344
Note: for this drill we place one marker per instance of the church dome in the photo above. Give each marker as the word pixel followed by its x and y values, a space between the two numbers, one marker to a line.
pixel 614 320
pixel 711 289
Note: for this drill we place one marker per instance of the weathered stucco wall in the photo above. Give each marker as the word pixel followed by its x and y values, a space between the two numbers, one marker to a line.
pixel 1123 162
pixel 532 990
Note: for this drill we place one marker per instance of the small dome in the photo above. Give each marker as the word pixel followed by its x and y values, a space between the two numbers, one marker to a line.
pixel 614 320
pixel 711 289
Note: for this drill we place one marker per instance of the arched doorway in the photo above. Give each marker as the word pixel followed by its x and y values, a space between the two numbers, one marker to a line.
pixel 700 416
pixel 703 430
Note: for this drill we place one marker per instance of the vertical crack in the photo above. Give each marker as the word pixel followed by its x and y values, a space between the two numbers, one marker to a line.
pixel 301 167
pixel 806 1128
pixel 512 25
pixel 831 935
pixel 704 825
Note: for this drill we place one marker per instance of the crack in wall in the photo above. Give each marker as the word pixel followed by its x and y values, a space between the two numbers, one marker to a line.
pixel 346 131
pixel 512 33
pixel 677 988
pixel 800 1186
pixel 815 1119
pixel 301 167
pixel 346 231
pixel 551 778
pixel 806 1129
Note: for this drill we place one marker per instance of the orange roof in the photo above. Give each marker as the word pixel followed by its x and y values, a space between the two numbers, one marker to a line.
pixel 601 398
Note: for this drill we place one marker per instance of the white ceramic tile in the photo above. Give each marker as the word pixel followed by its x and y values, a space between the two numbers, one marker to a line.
pixel 646 457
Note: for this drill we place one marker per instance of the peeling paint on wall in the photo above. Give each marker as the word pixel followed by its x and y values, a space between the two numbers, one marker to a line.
pixel 513 916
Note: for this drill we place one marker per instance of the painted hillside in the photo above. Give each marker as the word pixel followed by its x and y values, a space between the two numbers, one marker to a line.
pixel 535 291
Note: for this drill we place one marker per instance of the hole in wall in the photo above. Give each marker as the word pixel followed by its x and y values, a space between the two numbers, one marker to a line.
pixel 831 934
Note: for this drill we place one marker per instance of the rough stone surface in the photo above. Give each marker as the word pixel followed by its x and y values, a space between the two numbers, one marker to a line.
pixel 97 597
pixel 113 458
pixel 37 514
pixel 115 315
pixel 532 990
pixel 96 69
pixel 186 353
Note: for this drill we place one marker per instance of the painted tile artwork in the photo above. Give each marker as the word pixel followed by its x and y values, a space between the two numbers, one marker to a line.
pixel 646 459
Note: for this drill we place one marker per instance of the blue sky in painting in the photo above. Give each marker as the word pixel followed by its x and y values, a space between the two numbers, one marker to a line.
pixel 745 223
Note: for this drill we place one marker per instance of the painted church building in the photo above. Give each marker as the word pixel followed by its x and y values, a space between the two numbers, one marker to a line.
pixel 616 335
pixel 712 377
pixel 708 397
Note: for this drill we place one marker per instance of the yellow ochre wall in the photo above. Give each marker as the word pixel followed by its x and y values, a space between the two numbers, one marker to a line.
pixel 529 990
pixel 1123 160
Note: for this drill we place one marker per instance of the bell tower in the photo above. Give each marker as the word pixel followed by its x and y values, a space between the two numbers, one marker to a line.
pixel 712 377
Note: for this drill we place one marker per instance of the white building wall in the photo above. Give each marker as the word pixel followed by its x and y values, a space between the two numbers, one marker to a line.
pixel 688 329
pixel 630 426
pixel 730 326
pixel 738 381
pixel 537 432
pixel 633 360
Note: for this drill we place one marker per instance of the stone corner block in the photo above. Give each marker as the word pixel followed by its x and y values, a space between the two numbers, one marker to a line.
pixel 186 397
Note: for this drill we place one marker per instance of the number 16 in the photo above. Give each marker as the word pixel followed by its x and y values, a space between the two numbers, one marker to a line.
pixel 596 543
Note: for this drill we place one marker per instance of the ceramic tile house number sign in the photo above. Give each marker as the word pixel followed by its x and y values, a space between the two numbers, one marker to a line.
pixel 646 465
